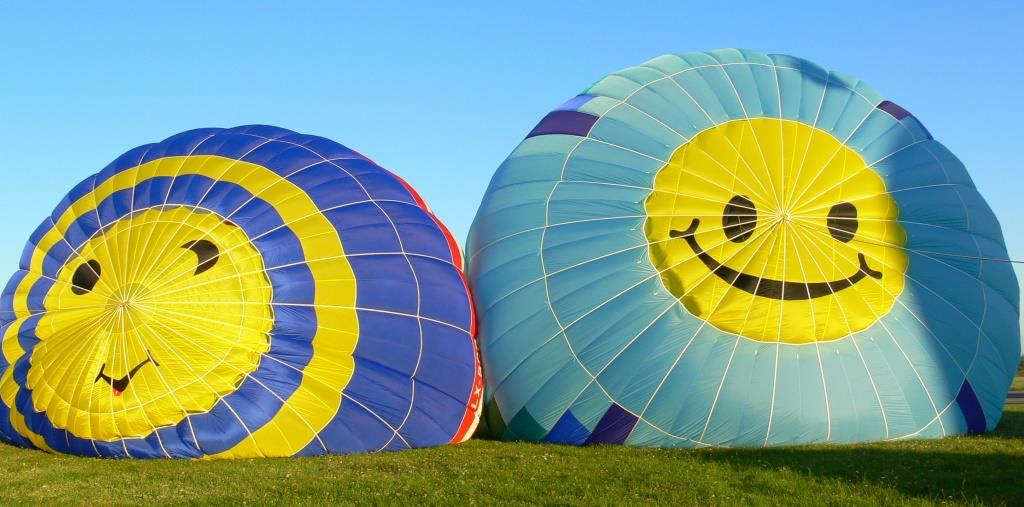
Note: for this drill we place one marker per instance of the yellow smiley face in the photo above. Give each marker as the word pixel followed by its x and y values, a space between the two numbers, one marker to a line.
pixel 156 317
pixel 775 230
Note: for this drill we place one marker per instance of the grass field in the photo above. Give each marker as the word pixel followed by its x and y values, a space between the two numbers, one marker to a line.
pixel 982 469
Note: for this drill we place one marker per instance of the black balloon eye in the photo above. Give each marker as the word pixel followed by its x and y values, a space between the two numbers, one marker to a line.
pixel 85 277
pixel 739 218
pixel 842 221
pixel 206 252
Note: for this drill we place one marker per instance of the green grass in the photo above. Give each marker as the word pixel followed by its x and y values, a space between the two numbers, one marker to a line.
pixel 979 469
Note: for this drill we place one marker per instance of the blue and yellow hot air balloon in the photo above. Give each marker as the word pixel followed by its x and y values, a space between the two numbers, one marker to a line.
pixel 236 293
pixel 739 249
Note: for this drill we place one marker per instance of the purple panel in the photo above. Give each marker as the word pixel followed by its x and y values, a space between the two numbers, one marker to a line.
pixel 971 408
pixel 572 123
pixel 614 427
pixel 893 109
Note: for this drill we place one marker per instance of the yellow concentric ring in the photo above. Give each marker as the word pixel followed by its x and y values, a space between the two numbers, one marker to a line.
pixel 315 402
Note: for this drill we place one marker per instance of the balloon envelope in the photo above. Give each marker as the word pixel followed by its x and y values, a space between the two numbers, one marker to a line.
pixel 734 248
pixel 236 293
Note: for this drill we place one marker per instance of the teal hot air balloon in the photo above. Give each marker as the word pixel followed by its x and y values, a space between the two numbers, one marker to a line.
pixel 741 249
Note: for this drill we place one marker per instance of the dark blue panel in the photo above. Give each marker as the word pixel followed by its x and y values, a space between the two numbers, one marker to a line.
pixel 7 432
pixel 329 187
pixel 177 441
pixel 568 431
pixel 27 333
pixel 388 341
pixel 969 405
pixel 55 258
pixel 219 429
pixel 419 232
pixel 379 183
pixel 293 285
pixel 385 283
pixel 144 447
pixel 353 429
pixel 326 148
pixel 187 189
pixel 25 262
pixel 398 444
pixel 614 427
pixel 224 145
pixel 572 123
pixel 364 228
pixel 113 207
pixel 37 294
pixel 228 199
pixel 80 447
pixel 264 131
pixel 443 293
pixel 294 328
pixel 82 229
pixel 258 223
pixel 184 142
pixel 893 109
pixel 448 363
pixel 314 448
pixel 282 158
pixel 381 388
pixel 103 449
pixel 434 419
pixel 181 144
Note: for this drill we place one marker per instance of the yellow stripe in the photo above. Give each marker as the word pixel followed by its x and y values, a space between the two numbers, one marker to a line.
pixel 11 347
pixel 315 402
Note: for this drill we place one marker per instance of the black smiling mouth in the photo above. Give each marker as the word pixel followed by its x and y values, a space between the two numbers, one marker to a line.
pixel 120 384
pixel 766 287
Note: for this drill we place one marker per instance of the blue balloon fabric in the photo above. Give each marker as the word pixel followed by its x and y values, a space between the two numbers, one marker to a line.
pixel 242 292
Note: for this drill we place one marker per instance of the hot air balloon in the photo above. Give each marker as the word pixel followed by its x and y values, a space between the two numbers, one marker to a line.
pixel 738 249
pixel 235 293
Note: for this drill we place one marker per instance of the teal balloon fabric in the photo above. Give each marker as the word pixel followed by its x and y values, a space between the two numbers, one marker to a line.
pixel 637 270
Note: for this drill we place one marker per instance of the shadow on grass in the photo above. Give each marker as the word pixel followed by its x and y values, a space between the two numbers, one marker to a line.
pixel 977 468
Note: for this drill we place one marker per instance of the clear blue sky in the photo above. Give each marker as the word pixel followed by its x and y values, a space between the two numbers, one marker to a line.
pixel 440 93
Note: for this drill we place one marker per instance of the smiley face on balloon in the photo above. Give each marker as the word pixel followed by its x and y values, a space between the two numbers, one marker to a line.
pixel 120 324
pixel 774 230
